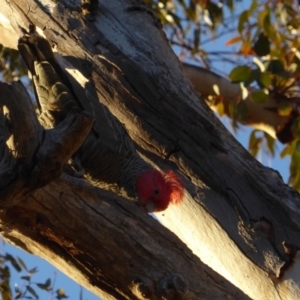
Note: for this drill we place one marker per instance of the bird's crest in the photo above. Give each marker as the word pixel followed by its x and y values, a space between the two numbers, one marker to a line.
pixel 176 186
pixel 156 190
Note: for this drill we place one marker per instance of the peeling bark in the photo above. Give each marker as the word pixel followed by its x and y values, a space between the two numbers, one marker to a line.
pixel 105 243
pixel 108 245
pixel 32 157
pixel 236 214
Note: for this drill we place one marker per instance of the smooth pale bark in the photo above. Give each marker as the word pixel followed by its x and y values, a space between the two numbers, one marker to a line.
pixel 103 242
pixel 261 116
pixel 237 216
pixel 8 36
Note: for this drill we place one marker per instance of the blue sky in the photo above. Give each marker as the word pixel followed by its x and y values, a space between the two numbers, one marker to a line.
pixel 45 271
pixel 72 289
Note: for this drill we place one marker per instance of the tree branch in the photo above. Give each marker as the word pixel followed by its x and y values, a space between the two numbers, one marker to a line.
pixel 103 241
pixel 236 213
pixel 31 156
pixel 261 116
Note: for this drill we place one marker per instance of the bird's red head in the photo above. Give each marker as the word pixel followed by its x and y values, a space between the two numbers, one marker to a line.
pixel 157 190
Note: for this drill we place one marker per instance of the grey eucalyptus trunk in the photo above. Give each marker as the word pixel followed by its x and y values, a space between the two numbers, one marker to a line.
pixel 237 216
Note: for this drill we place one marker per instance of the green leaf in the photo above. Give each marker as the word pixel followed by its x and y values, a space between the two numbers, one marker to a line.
pixel 231 110
pixel 240 73
pixel 20 261
pixel 6 295
pixel 5 272
pixel 293 67
pixel 275 66
pixel 215 13
pixel 288 150
pixel 254 76
pixel 229 4
pixel 262 16
pixel 220 109
pixel 252 139
pixel 254 143
pixel 295 165
pixel 296 128
pixel 246 49
pixel 284 109
pixel 297 148
pixel 281 12
pixel 32 271
pixel 259 96
pixel 60 294
pixel 191 11
pixel 176 20
pixel 262 45
pixel 32 292
pixel 45 286
pixel 42 286
pixel 5 291
pixel 27 278
pixel 270 143
pixel 264 79
pixel 196 39
pixel 18 295
pixel 290 10
pixel 252 7
pixel 242 20
pixel 14 262
pixel 48 282
pixel 182 3
pixel 241 111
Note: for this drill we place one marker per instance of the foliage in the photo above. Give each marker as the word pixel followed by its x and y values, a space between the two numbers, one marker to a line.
pixel 268 31
pixel 28 289
pixel 192 24
pixel 264 41
pixel 260 139
pixel 12 66
pixel 266 37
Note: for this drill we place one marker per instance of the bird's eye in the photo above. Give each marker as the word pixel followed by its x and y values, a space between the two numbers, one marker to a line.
pixel 156 192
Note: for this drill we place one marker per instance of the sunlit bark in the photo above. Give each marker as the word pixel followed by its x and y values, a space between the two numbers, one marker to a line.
pixel 238 217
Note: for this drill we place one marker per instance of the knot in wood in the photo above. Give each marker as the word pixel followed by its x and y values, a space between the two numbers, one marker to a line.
pixel 143 288
pixel 172 287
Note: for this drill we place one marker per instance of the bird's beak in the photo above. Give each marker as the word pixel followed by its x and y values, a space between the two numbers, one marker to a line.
pixel 149 206
pixel 140 204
